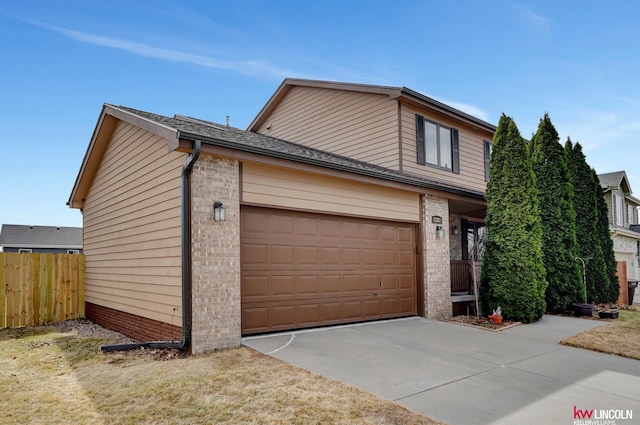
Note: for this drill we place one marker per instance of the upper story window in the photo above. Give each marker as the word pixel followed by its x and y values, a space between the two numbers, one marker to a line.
pixel 618 209
pixel 487 158
pixel 631 214
pixel 437 145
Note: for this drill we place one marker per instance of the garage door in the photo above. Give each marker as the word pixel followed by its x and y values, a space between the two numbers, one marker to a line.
pixel 302 269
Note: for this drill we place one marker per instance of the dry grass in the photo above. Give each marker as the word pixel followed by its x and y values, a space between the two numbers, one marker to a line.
pixel 52 377
pixel 621 336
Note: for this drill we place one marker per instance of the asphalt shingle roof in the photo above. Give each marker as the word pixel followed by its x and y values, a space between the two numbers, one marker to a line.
pixel 235 138
pixel 611 179
pixel 13 235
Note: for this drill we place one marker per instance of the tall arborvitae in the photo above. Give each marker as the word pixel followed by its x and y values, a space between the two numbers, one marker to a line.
pixel 589 248
pixel 513 275
pixel 558 218
pixel 611 288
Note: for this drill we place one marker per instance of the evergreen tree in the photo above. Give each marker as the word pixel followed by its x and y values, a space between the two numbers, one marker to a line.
pixel 513 275
pixel 589 248
pixel 611 291
pixel 558 218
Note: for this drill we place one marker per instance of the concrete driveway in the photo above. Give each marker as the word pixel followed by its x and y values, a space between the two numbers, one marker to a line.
pixel 462 375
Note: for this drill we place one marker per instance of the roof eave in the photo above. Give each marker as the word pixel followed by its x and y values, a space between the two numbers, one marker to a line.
pixel 447 110
pixel 105 126
pixel 331 165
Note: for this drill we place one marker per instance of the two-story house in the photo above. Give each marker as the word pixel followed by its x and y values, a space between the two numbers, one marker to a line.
pixel 341 203
pixel 623 221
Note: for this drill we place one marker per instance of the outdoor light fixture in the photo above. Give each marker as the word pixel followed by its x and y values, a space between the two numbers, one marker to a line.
pixel 439 232
pixel 219 214
pixel 455 230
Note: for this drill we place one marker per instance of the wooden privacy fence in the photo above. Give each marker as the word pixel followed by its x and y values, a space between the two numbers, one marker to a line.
pixel 36 289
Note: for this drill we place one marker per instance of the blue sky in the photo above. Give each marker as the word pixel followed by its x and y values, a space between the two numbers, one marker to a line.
pixel 578 61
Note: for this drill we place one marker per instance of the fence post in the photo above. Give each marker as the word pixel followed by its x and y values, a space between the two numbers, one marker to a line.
pixel 3 290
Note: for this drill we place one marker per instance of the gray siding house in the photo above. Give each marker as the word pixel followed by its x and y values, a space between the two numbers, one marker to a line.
pixel 41 239
pixel 623 221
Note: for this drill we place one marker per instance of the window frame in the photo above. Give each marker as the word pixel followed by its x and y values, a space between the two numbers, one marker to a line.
pixel 422 140
pixel 487 148
pixel 618 210
pixel 631 214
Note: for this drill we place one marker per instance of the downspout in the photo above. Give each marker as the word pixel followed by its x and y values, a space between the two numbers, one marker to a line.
pixel 186 264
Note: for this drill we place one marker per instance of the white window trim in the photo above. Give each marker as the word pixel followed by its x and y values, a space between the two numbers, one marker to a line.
pixel 618 210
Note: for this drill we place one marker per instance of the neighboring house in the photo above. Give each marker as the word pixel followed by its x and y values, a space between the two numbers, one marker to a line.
pixel 623 220
pixel 343 203
pixel 39 239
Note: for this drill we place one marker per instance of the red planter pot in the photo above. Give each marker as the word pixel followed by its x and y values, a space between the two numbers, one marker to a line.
pixel 496 320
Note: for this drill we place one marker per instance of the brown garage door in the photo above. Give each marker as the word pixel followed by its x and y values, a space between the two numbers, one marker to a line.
pixel 302 270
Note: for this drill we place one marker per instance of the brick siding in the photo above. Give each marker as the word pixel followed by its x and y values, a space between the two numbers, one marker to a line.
pixel 437 271
pixel 215 258
pixel 138 328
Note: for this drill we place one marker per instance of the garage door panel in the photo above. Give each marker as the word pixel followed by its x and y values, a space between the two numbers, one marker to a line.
pixel 255 287
pixel 282 286
pixel 308 313
pixel 406 281
pixel 351 256
pixel 255 253
pixel 301 269
pixel 351 230
pixel 282 254
pixel 280 224
pixel 283 316
pixel 370 232
pixel 330 256
pixel 307 255
pixel 388 233
pixel 388 257
pixel 331 311
pixel 308 285
pixel 307 226
pixel 406 258
pixel 352 283
pixel 329 228
pixel 331 284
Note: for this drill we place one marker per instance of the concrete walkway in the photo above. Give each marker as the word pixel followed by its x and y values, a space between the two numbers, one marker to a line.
pixel 462 375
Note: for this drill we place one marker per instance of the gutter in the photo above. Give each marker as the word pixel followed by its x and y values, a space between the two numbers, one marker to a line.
pixel 335 166
pixel 185 343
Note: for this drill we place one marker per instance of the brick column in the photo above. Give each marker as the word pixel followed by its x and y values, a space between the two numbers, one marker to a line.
pixel 437 272
pixel 215 254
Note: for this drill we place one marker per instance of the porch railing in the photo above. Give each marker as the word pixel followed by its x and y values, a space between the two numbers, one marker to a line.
pixel 461 276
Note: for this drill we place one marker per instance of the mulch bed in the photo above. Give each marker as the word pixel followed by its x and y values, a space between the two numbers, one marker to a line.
pixel 482 323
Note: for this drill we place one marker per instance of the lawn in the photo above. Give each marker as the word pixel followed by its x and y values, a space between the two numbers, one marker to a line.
pixel 621 336
pixel 51 376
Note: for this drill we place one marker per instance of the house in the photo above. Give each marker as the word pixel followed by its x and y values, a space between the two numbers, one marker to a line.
pixel 41 239
pixel 341 203
pixel 623 221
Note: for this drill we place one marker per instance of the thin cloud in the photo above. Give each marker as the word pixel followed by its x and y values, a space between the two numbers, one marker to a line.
pixel 535 20
pixel 249 67
pixel 469 109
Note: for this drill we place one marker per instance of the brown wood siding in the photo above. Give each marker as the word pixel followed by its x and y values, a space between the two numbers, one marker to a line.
pixel 471 151
pixel 132 227
pixel 272 186
pixel 362 126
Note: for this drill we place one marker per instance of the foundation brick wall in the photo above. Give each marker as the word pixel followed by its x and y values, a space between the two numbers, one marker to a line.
pixel 437 271
pixel 215 258
pixel 138 328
